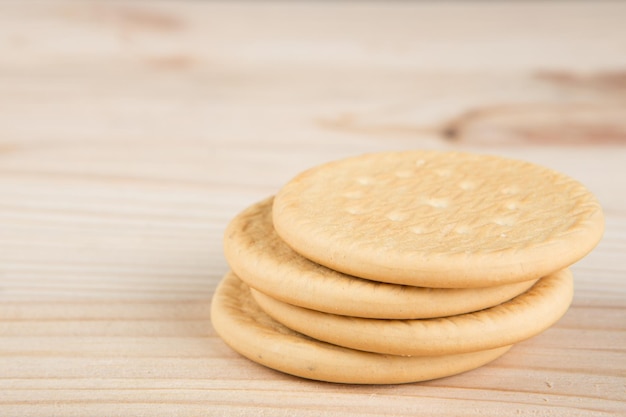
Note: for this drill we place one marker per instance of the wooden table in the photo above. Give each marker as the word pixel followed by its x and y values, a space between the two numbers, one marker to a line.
pixel 131 132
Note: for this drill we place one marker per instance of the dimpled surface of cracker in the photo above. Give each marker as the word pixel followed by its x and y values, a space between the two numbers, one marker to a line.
pixel 248 330
pixel 438 219
pixel 261 259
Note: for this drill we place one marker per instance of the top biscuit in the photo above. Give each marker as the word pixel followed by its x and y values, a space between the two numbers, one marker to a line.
pixel 438 219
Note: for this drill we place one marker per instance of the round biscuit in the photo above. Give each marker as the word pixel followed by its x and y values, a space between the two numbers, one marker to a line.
pixel 261 259
pixel 248 330
pixel 514 321
pixel 438 219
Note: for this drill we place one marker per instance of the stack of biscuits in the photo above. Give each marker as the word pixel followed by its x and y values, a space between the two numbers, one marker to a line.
pixel 406 266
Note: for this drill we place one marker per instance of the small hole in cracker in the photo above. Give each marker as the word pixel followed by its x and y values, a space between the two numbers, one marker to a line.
pixel 467 185
pixel 512 205
pixel 396 216
pixel 504 221
pixel 512 190
pixel 463 230
pixel 437 203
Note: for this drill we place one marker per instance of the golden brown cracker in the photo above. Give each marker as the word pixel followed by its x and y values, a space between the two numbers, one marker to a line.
pixel 262 260
pixel 438 219
pixel 514 321
pixel 249 331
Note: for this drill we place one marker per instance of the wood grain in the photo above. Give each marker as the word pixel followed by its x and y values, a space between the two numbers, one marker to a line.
pixel 131 132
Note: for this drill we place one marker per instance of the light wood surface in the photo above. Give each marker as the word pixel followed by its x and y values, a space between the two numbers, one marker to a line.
pixel 131 132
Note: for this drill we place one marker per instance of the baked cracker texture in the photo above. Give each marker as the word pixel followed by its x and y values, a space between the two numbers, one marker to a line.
pixel 438 219
pixel 516 320
pixel 248 330
pixel 402 266
pixel 261 259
